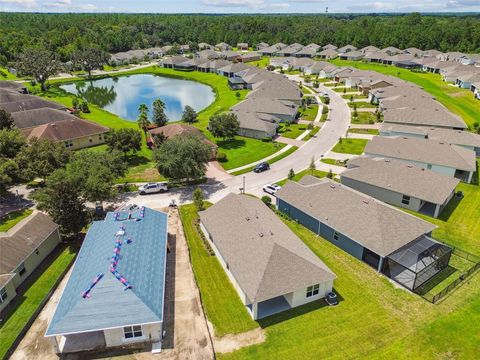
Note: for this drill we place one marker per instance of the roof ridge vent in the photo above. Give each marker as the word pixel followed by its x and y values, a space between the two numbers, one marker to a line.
pixel 247 218
pixel 260 234
pixel 365 201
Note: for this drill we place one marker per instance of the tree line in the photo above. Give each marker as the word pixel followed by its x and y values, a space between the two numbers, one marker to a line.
pixel 65 34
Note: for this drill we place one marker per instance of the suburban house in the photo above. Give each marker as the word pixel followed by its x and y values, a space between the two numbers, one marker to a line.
pixel 400 184
pixel 231 69
pixel 391 50
pixel 282 110
pixel 177 129
pixel 352 55
pixel 242 46
pixel 115 294
pixel 346 48
pixel 369 49
pixel 329 47
pixel 375 56
pixel 308 51
pixel 269 266
pixel 13 86
pixel 251 56
pixel 328 54
pixel 450 160
pixel 205 46
pixel 272 50
pixel 223 46
pixel 213 66
pixel 209 54
pixel 256 125
pixel 12 101
pixel 413 51
pixel 425 115
pixel 231 55
pixel 290 50
pixel 395 243
pixel 22 249
pixel 261 45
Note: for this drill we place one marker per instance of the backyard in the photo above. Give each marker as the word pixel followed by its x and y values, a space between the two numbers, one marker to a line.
pixel 459 101
pixel 350 146
pixel 365 324
pixel 13 218
pixel 240 151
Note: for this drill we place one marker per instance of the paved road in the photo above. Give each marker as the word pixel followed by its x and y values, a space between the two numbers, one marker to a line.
pixel 321 144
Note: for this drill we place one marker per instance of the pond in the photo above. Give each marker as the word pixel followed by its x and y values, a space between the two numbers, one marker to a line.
pixel 122 95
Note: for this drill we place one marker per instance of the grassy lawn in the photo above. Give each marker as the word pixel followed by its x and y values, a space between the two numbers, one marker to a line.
pixel 317 173
pixel 309 113
pixel 32 298
pixel 312 133
pixel 364 117
pixel 220 300
pixel 262 63
pixel 292 131
pixel 344 89
pixel 13 218
pixel 374 320
pixel 364 131
pixel 271 161
pixel 6 75
pixel 239 151
pixel 459 101
pixel 354 96
pixel 362 105
pixel 333 162
pixel 350 146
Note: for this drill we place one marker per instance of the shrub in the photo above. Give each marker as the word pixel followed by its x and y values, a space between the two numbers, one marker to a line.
pixel 222 157
pixel 267 200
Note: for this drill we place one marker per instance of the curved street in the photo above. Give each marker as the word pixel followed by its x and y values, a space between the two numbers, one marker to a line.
pixel 335 127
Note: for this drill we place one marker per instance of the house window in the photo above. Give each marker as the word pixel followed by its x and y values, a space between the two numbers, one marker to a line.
pixel 336 235
pixel 405 199
pixel 36 252
pixel 313 290
pixel 21 269
pixel 131 332
pixel 3 295
pixel 429 166
pixel 90 139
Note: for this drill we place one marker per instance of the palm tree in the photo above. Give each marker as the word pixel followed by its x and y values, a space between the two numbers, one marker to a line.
pixel 142 119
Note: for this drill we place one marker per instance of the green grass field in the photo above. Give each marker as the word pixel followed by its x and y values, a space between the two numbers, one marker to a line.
pixel 374 320
pixel 354 96
pixel 332 162
pixel 293 131
pixel 362 105
pixel 220 300
pixel 317 173
pixel 364 117
pixel 13 218
pixel 6 75
pixel 239 151
pixel 262 63
pixel 350 146
pixel 364 131
pixel 459 101
pixel 271 161
pixel 309 113
pixel 32 298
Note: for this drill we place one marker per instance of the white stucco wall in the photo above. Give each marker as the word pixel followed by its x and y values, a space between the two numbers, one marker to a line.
pixel 11 293
pixel 299 297
pixel 151 333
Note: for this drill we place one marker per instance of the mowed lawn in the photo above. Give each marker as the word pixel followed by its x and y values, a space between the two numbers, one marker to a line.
pixel 220 300
pixel 364 117
pixel 374 320
pixel 240 151
pixel 31 299
pixel 317 173
pixel 459 101
pixel 11 219
pixel 350 146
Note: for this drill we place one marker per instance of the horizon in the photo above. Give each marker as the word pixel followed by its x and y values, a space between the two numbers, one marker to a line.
pixel 240 7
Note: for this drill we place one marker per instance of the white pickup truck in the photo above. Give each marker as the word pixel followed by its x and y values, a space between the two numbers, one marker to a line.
pixel 152 188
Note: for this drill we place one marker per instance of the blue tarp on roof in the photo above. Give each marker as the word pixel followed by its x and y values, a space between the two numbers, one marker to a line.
pixel 141 262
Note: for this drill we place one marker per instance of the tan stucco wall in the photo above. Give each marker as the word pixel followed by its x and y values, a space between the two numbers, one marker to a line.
pixel 11 293
pixel 85 142
pixel 34 259
pixel 115 337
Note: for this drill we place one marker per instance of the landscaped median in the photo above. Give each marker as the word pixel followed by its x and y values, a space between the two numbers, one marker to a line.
pixel 26 305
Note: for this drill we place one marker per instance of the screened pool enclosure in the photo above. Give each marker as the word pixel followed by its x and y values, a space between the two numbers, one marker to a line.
pixel 417 262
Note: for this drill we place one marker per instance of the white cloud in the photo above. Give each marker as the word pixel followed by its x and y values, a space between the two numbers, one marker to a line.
pixel 68 5
pixel 252 4
pixel 462 3
pixel 21 3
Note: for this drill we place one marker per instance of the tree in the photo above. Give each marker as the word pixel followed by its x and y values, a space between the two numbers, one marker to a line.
pixel 197 197
pixel 159 116
pixel 142 119
pixel 189 115
pixel 8 174
pixel 267 200
pixel 224 126
pixel 330 174
pixel 6 120
pixel 89 59
pixel 312 166
pixel 11 142
pixel 95 173
pixel 183 157
pixel 291 174
pixel 41 158
pixel 38 63
pixel 124 140
pixel 61 199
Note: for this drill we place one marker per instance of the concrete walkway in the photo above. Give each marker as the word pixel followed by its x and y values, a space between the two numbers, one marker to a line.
pixel 289 141
pixel 375 126
pixel 339 156
pixel 360 136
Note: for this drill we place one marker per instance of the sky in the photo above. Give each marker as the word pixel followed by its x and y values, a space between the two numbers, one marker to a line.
pixel 241 6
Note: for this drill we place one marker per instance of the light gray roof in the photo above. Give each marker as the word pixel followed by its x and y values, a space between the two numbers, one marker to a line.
pixel 369 48
pixel 265 257
pixel 404 129
pixel 346 48
pixel 37 117
pixel 369 222
pixel 256 121
pixel 423 151
pixel 141 263
pixel 423 115
pixel 267 106
pixel 457 137
pixel 328 52
pixel 376 55
pixel 21 240
pixel 406 179
pixel 291 49
pixel 12 85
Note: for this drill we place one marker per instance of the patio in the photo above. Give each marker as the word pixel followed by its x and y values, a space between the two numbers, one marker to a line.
pixel 272 306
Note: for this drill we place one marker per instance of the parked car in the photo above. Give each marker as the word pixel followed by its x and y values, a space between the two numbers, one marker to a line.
pixel 271 188
pixel 152 188
pixel 261 167
pixel 331 299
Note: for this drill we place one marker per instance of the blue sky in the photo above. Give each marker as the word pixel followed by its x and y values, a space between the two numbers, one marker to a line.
pixel 240 6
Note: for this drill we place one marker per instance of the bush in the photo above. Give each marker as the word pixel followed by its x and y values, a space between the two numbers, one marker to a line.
pixel 267 139
pixel 267 200
pixel 222 157
pixel 310 126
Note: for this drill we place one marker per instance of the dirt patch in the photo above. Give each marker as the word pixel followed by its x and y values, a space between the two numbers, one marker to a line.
pixel 232 342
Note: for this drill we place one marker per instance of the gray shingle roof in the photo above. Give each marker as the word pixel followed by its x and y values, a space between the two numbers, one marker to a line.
pixel 371 223
pixel 142 263
pixel 424 151
pixel 36 117
pixel 397 176
pixel 21 240
pixel 266 258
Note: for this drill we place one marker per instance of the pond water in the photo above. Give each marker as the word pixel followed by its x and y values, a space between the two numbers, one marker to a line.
pixel 123 95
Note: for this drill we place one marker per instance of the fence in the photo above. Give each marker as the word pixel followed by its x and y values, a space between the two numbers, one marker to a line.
pixel 434 298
